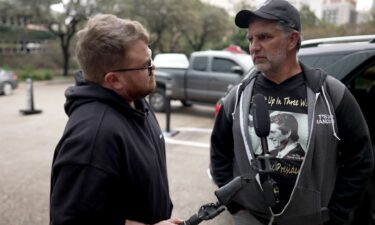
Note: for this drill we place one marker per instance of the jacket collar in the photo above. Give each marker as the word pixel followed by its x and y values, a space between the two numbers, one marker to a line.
pixel 314 77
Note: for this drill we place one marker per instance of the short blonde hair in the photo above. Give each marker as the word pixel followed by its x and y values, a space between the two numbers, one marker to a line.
pixel 102 44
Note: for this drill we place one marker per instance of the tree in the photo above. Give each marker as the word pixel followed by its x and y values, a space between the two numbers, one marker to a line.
pixel 238 35
pixel 62 24
pixel 205 25
pixel 239 38
pixel 4 7
pixel 372 22
pixel 159 17
pixel 243 4
pixel 164 19
pixel 308 18
pixel 174 25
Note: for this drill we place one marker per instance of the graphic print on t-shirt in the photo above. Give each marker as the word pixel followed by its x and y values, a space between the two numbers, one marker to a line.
pixel 287 138
pixel 287 142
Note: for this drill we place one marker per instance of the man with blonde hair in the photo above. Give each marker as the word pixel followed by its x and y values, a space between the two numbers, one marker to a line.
pixel 109 167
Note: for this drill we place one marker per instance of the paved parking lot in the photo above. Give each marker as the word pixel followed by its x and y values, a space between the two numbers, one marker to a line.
pixel 27 144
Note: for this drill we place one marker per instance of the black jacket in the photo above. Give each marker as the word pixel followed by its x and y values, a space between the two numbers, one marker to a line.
pixel 337 165
pixel 110 163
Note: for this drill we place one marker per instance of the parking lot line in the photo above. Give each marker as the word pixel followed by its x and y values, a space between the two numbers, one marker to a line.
pixel 173 141
pixel 176 141
pixel 195 129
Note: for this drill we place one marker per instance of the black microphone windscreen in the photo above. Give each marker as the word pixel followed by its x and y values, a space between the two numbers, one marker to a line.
pixel 261 116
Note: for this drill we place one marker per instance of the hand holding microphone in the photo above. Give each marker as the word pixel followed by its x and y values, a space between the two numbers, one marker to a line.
pixel 226 193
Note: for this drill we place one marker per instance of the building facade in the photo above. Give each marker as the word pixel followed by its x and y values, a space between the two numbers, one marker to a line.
pixel 339 12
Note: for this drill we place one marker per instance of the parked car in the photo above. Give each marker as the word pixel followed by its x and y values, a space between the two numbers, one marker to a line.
pixel 203 80
pixel 8 81
pixel 350 59
pixel 171 60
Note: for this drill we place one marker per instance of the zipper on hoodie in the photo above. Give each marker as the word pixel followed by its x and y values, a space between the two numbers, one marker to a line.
pixel 237 100
pixel 308 147
pixel 248 152
pixel 303 163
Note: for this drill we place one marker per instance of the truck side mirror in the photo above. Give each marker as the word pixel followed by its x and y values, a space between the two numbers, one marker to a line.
pixel 237 70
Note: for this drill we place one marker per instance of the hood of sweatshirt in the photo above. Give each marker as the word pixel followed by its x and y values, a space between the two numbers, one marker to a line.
pixel 314 77
pixel 84 92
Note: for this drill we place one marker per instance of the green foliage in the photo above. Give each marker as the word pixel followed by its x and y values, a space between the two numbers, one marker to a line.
pixel 211 26
pixel 312 27
pixel 20 33
pixel 308 18
pixel 5 67
pixel 243 4
pixel 332 30
pixel 35 74
pixel 40 35
pixel 372 22
pixel 174 26
pixel 239 38
pixel 4 29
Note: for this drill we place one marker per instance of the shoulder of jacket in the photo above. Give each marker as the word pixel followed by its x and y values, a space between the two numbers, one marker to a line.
pixel 232 99
pixel 335 89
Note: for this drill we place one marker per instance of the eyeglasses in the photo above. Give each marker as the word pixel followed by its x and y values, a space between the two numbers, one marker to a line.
pixel 149 67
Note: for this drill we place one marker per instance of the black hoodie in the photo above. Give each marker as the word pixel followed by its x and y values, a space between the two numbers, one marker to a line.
pixel 110 163
pixel 337 165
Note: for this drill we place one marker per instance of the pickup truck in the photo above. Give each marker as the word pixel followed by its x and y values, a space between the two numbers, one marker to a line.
pixel 204 79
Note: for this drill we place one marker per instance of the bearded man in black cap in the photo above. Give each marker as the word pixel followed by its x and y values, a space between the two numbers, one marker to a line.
pixel 326 184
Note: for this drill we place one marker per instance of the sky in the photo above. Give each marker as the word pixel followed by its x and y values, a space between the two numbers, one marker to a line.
pixel 363 4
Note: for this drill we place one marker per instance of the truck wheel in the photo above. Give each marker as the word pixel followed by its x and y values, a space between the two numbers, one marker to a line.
pixel 157 100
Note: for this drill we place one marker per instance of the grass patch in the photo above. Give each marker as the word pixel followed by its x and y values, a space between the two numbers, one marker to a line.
pixel 35 74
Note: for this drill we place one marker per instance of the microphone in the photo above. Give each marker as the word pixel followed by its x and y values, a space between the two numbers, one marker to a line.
pixel 226 193
pixel 262 126
pixel 261 116
pixel 261 119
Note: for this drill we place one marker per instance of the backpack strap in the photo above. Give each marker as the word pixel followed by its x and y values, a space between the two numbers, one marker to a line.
pixel 234 96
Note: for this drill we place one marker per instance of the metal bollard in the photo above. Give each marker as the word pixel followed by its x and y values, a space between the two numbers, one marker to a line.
pixel 168 93
pixel 30 99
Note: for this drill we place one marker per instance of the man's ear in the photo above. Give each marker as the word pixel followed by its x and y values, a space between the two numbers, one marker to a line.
pixel 111 81
pixel 294 37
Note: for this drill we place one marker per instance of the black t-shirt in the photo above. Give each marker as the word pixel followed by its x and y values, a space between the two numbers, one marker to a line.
pixel 288 136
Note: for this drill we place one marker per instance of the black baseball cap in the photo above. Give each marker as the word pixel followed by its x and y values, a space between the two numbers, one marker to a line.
pixel 271 10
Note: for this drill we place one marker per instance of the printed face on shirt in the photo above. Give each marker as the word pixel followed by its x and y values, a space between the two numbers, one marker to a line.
pixel 268 46
pixel 277 138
